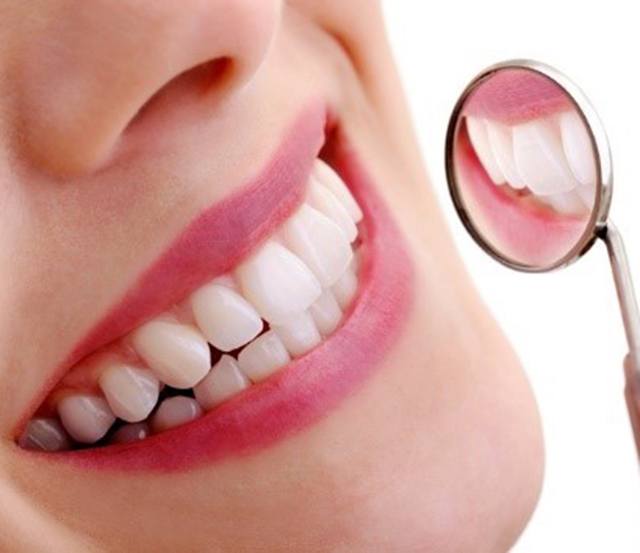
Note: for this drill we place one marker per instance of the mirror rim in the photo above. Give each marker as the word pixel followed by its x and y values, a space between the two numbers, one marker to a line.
pixel 599 141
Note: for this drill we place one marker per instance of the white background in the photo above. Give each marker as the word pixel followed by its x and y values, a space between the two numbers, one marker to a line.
pixel 565 325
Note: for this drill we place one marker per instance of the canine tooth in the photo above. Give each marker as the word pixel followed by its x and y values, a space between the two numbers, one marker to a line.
pixel 329 178
pixel 566 202
pixel 578 148
pixel 131 433
pixel 325 201
pixel 85 417
pixel 226 319
pixel 478 135
pixel 326 313
pixel 277 282
pixel 299 334
pixel 225 380
pixel 540 158
pixel 502 147
pixel 131 392
pixel 319 242
pixel 175 411
pixel 176 353
pixel 44 434
pixel 345 288
pixel 262 357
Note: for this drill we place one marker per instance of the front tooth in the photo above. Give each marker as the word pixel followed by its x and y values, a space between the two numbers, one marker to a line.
pixel 502 147
pixel 85 417
pixel 175 411
pixel 226 319
pixel 299 334
pixel 540 158
pixel 329 178
pixel 478 135
pixel 176 353
pixel 568 203
pixel 277 282
pixel 225 380
pixel 131 392
pixel 319 242
pixel 578 148
pixel 263 357
pixel 345 288
pixel 326 202
pixel 44 435
pixel 326 313
pixel 131 433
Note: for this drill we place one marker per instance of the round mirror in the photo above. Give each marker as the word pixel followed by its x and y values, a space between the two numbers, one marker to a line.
pixel 528 166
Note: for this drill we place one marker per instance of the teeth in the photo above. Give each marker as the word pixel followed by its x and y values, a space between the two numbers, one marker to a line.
pixel 326 313
pixel 319 242
pixel 263 357
pixel 226 319
pixel 478 135
pixel 345 288
pixel 578 148
pixel 177 354
pixel 299 282
pixel 175 411
pixel 322 199
pixel 131 433
pixel 225 380
pixel 568 203
pixel 329 178
pixel 540 158
pixel 44 435
pixel 502 147
pixel 277 283
pixel 85 417
pixel 299 335
pixel 131 392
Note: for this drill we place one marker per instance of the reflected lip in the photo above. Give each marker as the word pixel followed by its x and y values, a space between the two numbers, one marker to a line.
pixel 514 96
pixel 214 243
pixel 524 230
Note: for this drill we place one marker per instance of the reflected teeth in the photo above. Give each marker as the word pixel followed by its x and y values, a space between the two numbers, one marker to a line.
pixel 551 156
pixel 296 284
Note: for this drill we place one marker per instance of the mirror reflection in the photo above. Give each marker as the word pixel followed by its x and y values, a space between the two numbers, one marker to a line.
pixel 525 168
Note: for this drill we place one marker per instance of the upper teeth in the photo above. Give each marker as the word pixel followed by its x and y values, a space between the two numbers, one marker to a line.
pixel 298 281
pixel 552 156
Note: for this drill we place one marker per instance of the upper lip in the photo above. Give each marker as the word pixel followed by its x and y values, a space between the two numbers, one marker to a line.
pixel 516 95
pixel 214 242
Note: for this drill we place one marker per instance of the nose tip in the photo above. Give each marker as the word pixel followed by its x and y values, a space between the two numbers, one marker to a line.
pixel 94 67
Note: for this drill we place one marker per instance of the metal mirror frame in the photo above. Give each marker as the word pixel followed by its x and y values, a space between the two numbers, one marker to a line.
pixel 599 142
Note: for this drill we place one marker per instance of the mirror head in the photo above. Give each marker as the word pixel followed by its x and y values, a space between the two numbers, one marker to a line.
pixel 528 166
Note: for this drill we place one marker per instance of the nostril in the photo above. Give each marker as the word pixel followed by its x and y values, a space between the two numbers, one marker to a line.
pixel 203 81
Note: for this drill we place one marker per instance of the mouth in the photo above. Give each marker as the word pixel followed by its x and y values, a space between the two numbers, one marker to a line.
pixel 528 176
pixel 269 309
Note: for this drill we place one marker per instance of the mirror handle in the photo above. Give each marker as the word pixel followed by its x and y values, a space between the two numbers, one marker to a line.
pixel 631 319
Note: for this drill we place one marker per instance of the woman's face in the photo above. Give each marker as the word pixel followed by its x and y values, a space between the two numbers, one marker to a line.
pixel 357 401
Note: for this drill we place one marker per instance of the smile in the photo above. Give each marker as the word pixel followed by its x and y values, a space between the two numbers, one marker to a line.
pixel 271 307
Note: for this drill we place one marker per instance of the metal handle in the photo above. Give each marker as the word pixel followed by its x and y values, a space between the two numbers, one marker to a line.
pixel 631 319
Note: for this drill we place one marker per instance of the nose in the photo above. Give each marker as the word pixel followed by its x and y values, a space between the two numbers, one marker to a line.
pixel 86 69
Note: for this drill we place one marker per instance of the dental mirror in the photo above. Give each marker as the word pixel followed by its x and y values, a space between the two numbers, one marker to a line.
pixel 529 172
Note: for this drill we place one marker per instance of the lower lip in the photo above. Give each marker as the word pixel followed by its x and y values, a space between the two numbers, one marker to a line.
pixel 309 387
pixel 527 234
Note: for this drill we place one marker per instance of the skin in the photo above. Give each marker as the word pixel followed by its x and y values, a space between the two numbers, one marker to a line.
pixel 440 451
